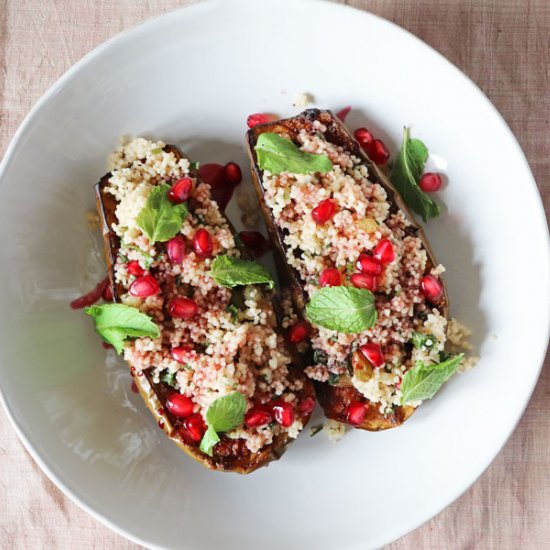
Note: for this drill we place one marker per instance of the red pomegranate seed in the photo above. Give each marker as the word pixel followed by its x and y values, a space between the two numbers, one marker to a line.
pixel 258 416
pixel 298 332
pixel 356 413
pixel 232 173
pixel 363 136
pixel 283 413
pixel 179 405
pixel 258 118
pixel 194 426
pixel 255 243
pixel 398 385
pixel 182 307
pixel 378 152
pixel 430 182
pixel 133 268
pixel 384 252
pixel 202 243
pixel 179 353
pixel 134 387
pixel 108 294
pixel 105 345
pixel 180 191
pixel 330 276
pixel 364 280
pixel 373 353
pixel 144 286
pixel 368 264
pixel 175 248
pixel 306 406
pixel 343 113
pixel 91 297
pixel 324 211
pixel 432 288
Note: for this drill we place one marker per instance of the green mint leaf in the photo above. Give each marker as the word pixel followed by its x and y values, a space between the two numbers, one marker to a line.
pixel 224 414
pixel 406 174
pixel 345 309
pixel 209 439
pixel 424 381
pixel 115 323
pixel 160 219
pixel 231 272
pixel 278 154
pixel 419 339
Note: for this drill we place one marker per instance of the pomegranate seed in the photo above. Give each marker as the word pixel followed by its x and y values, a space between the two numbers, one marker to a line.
pixel 356 413
pixel 258 118
pixel 91 297
pixel 378 152
pixel 108 294
pixel 432 288
pixel 330 276
pixel 175 248
pixel 105 345
pixel 255 243
pixel 298 331
pixel 134 387
pixel 384 252
pixel 180 191
pixel 364 280
pixel 373 353
pixel 258 416
pixel 398 385
pixel 430 182
pixel 368 264
pixel 194 426
pixel 179 353
pixel 179 405
pixel 182 308
pixel 306 406
pixel 324 211
pixel 343 113
pixel 363 136
pixel 133 268
pixel 202 243
pixel 232 173
pixel 283 413
pixel 144 286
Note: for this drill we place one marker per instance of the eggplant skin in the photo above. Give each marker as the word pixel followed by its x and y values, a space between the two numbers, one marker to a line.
pixel 334 399
pixel 229 455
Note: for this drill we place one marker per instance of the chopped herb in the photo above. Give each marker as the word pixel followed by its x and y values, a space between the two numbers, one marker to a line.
pixel 319 357
pixel 333 379
pixel 168 377
pixel 350 268
pixel 148 258
pixel 233 310
pixel 156 151
pixel 419 340
pixel 194 165
pixel 200 217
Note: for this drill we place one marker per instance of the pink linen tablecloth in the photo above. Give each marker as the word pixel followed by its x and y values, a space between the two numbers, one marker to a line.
pixel 504 46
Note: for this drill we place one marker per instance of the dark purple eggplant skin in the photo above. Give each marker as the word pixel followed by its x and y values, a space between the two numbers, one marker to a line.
pixel 229 455
pixel 333 398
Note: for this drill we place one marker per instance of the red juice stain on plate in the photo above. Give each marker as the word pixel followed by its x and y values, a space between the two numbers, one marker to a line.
pixel 222 179
pixel 91 297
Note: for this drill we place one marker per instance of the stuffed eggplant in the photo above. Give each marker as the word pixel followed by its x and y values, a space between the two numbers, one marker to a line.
pixel 370 303
pixel 193 319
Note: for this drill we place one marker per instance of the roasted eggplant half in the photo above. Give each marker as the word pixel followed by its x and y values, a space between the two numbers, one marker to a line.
pixel 358 268
pixel 194 320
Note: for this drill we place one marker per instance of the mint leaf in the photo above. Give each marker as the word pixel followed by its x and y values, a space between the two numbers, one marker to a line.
pixel 406 174
pixel 115 323
pixel 168 377
pixel 231 272
pixel 209 439
pixel 424 381
pixel 278 154
pixel 224 414
pixel 419 339
pixel 160 219
pixel 345 309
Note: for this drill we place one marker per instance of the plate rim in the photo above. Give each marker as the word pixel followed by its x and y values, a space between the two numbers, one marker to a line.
pixel 150 23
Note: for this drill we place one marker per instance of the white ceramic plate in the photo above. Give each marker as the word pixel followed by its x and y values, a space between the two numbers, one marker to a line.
pixel 191 77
